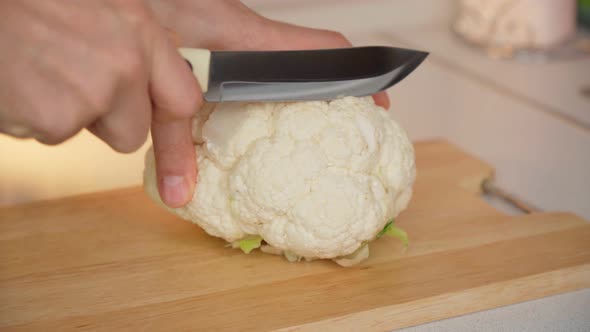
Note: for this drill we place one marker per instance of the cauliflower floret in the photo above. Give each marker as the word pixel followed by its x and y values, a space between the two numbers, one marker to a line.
pixel 229 130
pixel 312 179
pixel 210 206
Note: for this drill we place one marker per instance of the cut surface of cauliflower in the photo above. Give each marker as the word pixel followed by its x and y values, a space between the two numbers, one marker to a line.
pixel 313 179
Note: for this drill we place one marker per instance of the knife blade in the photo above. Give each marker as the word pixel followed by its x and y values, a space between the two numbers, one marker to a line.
pixel 299 75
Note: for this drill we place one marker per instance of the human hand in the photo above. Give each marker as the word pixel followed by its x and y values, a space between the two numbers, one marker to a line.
pixel 108 66
pixel 105 65
pixel 230 25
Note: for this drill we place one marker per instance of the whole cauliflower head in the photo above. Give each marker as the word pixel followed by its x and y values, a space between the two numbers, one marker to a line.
pixel 311 179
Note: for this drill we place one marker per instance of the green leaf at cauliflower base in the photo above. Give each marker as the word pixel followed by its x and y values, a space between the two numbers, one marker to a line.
pixel 391 230
pixel 385 228
pixel 250 243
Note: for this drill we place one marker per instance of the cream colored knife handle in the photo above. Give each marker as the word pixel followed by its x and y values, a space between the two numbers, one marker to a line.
pixel 199 59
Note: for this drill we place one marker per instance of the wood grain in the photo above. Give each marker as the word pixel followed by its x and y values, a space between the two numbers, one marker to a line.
pixel 114 260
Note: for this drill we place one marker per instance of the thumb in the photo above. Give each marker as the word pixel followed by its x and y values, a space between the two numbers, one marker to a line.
pixel 176 96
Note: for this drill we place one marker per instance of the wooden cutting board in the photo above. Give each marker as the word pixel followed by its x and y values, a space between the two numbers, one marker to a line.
pixel 114 260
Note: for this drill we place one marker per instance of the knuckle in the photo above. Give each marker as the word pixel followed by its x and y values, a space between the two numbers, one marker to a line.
pixel 135 141
pixel 94 99
pixel 54 129
pixel 128 63
pixel 182 108
pixel 15 129
pixel 125 60
pixel 55 137
pixel 128 144
pixel 124 140
pixel 121 147
pixel 192 104
pixel 136 13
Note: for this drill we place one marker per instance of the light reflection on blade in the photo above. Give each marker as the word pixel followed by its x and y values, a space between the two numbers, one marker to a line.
pixel 246 91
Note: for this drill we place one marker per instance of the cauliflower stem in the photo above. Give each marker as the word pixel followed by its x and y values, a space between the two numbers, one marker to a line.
pixel 248 243
pixel 252 242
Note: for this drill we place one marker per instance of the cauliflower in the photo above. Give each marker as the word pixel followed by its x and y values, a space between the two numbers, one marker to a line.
pixel 313 180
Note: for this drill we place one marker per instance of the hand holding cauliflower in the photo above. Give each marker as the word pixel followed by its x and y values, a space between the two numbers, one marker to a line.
pixel 306 179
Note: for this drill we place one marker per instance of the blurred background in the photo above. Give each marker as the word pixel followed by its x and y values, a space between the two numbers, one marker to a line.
pixel 507 81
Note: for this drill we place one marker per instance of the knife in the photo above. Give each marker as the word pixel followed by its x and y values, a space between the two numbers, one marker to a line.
pixel 299 75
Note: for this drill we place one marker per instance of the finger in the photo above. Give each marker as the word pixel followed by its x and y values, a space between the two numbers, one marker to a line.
pixel 176 168
pixel 126 126
pixel 382 99
pixel 176 97
pixel 15 129
pixel 32 118
pixel 11 127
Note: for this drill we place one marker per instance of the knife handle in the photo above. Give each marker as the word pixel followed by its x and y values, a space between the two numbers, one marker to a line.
pixel 199 60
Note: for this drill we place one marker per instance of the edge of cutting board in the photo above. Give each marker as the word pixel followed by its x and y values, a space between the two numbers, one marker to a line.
pixel 446 305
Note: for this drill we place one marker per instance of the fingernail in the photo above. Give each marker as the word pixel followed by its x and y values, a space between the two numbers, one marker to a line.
pixel 175 191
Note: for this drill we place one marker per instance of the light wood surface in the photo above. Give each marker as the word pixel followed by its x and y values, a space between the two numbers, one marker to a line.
pixel 114 260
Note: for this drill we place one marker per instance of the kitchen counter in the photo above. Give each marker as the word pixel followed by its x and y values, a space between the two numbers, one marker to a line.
pixel 564 312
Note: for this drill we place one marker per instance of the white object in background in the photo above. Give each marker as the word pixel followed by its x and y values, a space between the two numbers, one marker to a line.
pixel 520 24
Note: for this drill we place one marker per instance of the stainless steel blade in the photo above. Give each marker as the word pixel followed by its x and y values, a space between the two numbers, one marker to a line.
pixel 309 74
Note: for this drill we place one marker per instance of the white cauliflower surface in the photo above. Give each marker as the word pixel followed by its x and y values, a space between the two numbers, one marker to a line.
pixel 312 179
